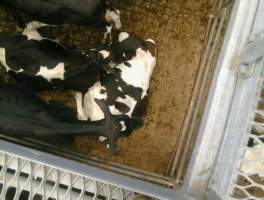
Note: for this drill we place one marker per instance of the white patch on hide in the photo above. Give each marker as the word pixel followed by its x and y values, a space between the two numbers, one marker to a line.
pixel 31 30
pixel 3 59
pixel 123 125
pixel 80 110
pixel 55 73
pixel 129 101
pixel 122 36
pixel 109 29
pixel 91 108
pixel 120 89
pixel 108 32
pixel 138 75
pixel 114 111
pixel 104 53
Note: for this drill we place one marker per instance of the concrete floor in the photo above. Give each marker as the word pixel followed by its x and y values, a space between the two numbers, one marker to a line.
pixel 178 27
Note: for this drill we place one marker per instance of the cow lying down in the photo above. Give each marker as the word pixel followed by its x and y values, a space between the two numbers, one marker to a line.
pixel 24 114
pixel 43 64
pixel 40 63
pixel 95 13
pixel 124 90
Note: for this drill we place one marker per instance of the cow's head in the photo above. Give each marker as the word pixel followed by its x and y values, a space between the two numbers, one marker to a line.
pixel 127 45
pixel 112 16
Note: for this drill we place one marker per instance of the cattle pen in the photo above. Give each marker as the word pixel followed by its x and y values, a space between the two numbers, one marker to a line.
pixel 206 97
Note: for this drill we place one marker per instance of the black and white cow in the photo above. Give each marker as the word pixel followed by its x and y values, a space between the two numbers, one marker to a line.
pixel 25 114
pixel 125 90
pixel 40 63
pixel 96 13
pixel 44 64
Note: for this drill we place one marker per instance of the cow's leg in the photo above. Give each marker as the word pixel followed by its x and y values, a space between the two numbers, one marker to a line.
pixel 80 109
pixel 113 133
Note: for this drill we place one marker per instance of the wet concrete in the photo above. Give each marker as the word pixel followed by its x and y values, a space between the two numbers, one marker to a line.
pixel 178 27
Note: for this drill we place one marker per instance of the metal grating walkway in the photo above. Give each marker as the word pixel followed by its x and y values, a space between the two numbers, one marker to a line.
pixel 25 179
pixel 26 173
pixel 247 182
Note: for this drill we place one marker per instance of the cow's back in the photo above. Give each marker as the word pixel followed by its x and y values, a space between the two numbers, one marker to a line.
pixel 18 99
pixel 57 11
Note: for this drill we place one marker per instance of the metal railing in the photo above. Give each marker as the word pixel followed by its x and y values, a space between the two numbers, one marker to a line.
pixel 229 102
pixel 214 37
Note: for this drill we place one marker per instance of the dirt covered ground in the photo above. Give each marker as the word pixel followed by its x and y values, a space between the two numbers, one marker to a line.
pixel 178 27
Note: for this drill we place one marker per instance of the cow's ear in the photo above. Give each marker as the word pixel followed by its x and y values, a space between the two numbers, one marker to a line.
pixel 151 46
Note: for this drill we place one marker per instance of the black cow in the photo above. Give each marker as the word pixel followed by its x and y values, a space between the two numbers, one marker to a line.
pixel 24 114
pixel 125 90
pixel 95 13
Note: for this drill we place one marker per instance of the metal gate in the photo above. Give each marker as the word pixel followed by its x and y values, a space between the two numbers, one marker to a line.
pixel 227 162
pixel 214 37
